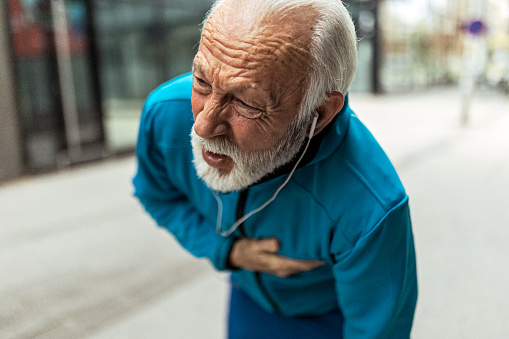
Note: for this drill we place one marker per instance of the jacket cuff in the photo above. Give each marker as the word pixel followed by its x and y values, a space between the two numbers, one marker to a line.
pixel 222 261
pixel 229 265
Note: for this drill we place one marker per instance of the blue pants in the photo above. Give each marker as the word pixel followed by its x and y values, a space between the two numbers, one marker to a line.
pixel 247 320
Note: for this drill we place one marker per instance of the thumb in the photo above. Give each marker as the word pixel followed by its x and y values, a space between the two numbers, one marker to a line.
pixel 269 245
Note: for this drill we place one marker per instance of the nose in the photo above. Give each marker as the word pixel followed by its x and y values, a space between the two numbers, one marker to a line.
pixel 211 121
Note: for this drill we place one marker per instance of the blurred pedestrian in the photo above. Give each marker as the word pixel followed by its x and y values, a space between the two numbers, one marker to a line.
pixel 280 183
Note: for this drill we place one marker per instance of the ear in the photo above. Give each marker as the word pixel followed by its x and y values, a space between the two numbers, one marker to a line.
pixel 328 110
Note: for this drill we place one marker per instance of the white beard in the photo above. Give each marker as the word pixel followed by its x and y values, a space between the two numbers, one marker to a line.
pixel 248 167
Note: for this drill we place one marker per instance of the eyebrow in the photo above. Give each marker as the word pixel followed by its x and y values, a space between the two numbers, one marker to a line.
pixel 197 66
pixel 237 89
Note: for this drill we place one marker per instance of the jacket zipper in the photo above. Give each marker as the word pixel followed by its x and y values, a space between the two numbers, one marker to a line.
pixel 241 204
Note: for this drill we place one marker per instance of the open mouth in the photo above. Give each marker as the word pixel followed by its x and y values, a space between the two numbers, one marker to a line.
pixel 220 161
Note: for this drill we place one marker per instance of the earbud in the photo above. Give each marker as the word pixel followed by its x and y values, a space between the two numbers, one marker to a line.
pixel 313 124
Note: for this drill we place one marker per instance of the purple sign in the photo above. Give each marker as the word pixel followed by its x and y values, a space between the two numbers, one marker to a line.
pixel 475 27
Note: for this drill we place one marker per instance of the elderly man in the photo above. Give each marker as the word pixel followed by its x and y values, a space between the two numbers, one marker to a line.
pixel 288 191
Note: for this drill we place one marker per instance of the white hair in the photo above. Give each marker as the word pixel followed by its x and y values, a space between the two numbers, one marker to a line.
pixel 333 45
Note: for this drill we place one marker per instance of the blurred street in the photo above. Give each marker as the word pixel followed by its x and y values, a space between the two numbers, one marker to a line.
pixel 79 258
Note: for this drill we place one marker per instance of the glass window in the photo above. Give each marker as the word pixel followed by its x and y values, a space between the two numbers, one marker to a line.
pixel 141 45
pixel 58 106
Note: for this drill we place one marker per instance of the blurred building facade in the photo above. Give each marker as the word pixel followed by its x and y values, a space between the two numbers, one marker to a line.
pixel 429 42
pixel 77 71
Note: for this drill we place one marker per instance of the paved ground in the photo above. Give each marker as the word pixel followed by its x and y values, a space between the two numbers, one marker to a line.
pixel 79 257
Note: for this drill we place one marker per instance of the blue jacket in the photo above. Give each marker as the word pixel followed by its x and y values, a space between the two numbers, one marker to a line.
pixel 346 207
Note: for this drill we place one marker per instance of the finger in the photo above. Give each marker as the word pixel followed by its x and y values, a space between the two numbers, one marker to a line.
pixel 302 265
pixel 270 245
pixel 283 267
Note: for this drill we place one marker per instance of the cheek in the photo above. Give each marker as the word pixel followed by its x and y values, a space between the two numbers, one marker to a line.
pixel 251 137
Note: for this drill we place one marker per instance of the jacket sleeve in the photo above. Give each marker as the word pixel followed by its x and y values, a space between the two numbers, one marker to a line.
pixel 169 207
pixel 376 279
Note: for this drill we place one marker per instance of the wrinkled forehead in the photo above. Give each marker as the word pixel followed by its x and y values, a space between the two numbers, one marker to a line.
pixel 246 41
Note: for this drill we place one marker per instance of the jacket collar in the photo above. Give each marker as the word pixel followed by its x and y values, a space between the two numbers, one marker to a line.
pixel 335 134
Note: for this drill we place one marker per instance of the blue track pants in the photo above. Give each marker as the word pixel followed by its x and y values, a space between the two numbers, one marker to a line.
pixel 247 320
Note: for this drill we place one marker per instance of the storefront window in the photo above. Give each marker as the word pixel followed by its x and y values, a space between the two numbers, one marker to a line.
pixel 60 117
pixel 141 45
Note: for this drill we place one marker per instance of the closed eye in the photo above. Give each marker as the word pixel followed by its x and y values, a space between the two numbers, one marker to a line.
pixel 246 105
pixel 200 85
pixel 201 81
pixel 247 110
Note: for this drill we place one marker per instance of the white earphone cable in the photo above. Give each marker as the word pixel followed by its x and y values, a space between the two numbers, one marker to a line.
pixel 245 217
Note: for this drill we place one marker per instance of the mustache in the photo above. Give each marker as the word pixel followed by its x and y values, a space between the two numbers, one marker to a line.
pixel 221 144
pixel 218 145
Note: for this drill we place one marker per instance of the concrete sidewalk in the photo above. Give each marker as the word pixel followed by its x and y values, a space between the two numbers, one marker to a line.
pixel 79 257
